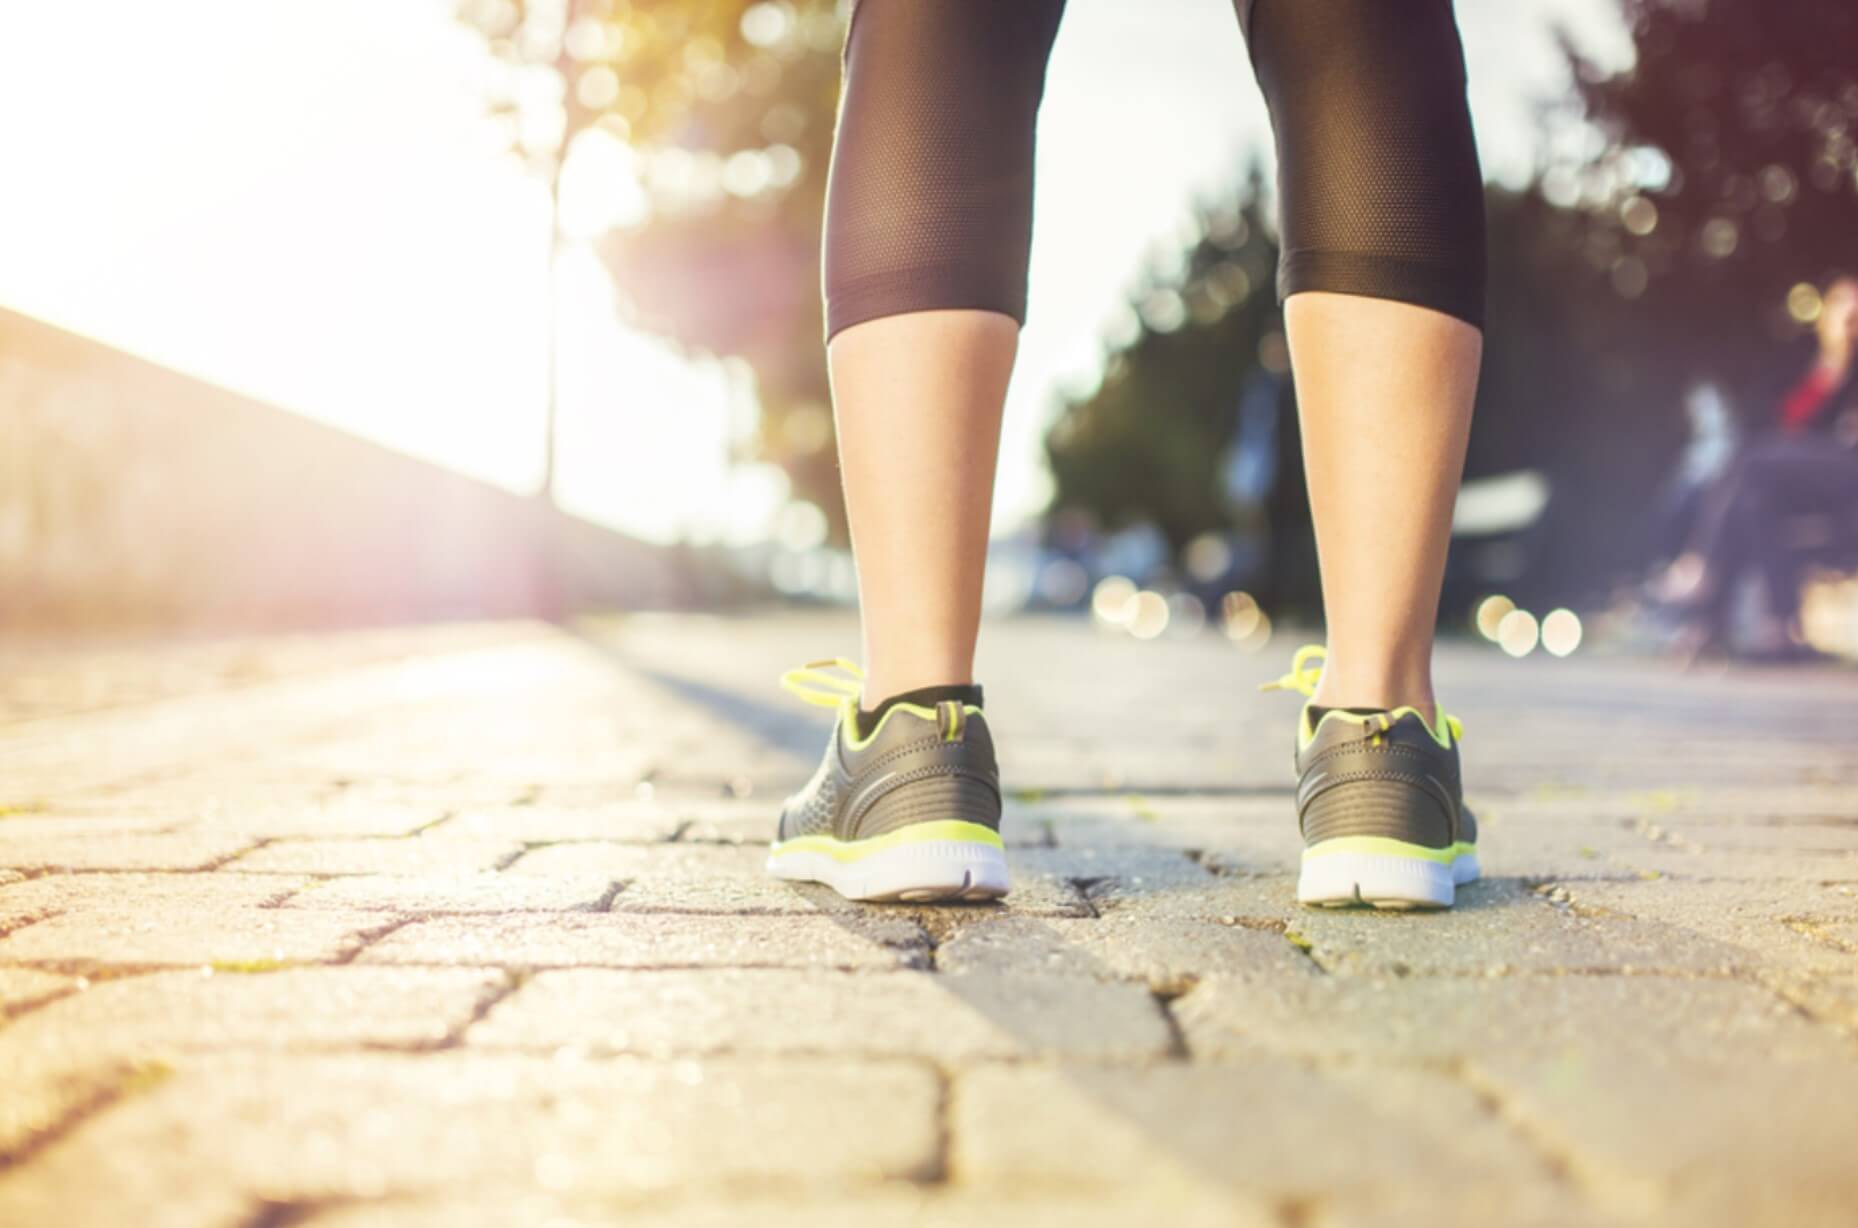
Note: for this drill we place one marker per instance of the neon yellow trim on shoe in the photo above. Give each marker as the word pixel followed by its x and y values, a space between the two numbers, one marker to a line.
pixel 1306 671
pixel 1387 846
pixel 958 831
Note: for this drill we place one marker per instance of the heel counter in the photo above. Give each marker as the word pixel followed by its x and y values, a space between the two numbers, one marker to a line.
pixel 1390 808
pixel 928 796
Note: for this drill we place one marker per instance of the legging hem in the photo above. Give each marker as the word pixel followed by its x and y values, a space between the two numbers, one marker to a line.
pixel 1452 289
pixel 901 293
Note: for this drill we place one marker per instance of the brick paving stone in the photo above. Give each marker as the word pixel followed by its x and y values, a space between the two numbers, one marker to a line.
pixel 1426 1019
pixel 111 891
pixel 1833 839
pixel 1779 925
pixel 287 1128
pixel 1106 873
pixel 456 893
pixel 126 851
pixel 1166 954
pixel 341 816
pixel 1647 1014
pixel 133 935
pixel 904 1014
pixel 1566 846
pixel 164 1013
pixel 1314 1132
pixel 1499 926
pixel 1743 864
pixel 684 878
pixel 734 879
pixel 433 854
pixel 1204 897
pixel 1473 1202
pixel 19 827
pixel 544 824
pixel 1640 1084
pixel 894 1203
pixel 613 940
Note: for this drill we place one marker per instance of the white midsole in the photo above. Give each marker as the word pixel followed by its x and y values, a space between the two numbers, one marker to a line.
pixel 1384 879
pixel 928 869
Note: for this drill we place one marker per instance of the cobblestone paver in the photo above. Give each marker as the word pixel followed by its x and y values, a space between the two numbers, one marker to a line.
pixel 467 926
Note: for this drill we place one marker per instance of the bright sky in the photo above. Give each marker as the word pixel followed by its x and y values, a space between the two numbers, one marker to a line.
pixel 301 200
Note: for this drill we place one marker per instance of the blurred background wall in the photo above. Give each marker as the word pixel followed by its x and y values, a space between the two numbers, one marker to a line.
pixel 133 496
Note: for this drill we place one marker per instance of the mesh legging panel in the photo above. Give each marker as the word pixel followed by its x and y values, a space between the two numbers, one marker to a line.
pixel 929 203
pixel 1379 191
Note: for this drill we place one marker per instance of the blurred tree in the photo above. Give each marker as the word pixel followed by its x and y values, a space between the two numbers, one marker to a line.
pixel 721 112
pixel 1675 233
pixel 1724 188
pixel 1146 445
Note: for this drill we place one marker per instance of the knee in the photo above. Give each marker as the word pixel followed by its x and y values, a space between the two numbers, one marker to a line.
pixel 1380 192
pixel 929 203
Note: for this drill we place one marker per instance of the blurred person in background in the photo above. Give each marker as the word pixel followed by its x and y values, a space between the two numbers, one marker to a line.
pixel 1708 451
pixel 928 227
pixel 1792 491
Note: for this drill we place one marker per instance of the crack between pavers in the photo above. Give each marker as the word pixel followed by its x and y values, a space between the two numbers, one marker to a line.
pixel 1082 886
pixel 1563 1162
pixel 423 828
pixel 287 1213
pixel 1297 1211
pixel 513 980
pixel 1165 995
pixel 19 923
pixel 20 1007
pixel 367 938
pixel 210 866
pixel 937 1172
pixel 137 1078
pixel 509 859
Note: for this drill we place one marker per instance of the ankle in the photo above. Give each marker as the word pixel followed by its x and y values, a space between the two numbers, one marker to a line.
pixel 1380 691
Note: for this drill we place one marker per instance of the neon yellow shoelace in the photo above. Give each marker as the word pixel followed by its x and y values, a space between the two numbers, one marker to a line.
pixel 813 684
pixel 1306 670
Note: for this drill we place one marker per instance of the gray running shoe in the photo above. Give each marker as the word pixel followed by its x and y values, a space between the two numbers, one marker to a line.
pixel 910 812
pixel 1381 806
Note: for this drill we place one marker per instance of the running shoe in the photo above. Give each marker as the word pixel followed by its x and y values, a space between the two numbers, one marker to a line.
pixel 910 811
pixel 1380 803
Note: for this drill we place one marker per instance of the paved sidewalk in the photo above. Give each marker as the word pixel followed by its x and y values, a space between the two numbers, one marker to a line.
pixel 466 926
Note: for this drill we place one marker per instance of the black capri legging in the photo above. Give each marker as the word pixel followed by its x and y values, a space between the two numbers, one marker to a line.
pixel 930 198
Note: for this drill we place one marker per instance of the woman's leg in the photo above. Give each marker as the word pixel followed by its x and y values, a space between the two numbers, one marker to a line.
pixel 928 227
pixel 1380 208
pixel 1384 391
pixel 1382 217
pixel 919 399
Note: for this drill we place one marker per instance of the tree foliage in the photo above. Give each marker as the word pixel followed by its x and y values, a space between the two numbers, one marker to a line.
pixel 1702 194
pixel 1727 174
pixel 1146 445
pixel 726 109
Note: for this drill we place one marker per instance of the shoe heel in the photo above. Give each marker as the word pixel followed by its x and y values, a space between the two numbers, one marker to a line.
pixel 1336 879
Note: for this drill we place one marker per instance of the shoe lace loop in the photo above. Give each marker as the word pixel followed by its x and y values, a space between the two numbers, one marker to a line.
pixel 1306 670
pixel 813 683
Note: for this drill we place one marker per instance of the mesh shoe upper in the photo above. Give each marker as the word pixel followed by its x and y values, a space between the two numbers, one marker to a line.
pixel 1381 776
pixel 918 765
